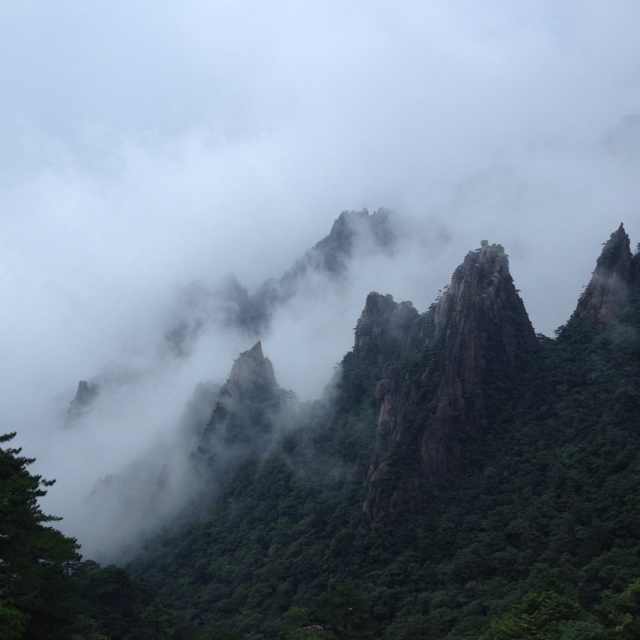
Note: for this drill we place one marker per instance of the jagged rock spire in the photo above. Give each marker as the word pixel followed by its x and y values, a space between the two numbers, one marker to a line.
pixel 86 394
pixel 232 304
pixel 246 404
pixel 482 303
pixel 332 253
pixel 252 370
pixel 610 284
pixel 383 323
pixel 471 345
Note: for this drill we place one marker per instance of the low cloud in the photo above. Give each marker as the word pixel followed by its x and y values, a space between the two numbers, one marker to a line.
pixel 148 148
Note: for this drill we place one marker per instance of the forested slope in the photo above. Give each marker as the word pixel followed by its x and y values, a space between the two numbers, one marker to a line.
pixel 460 478
pixel 534 532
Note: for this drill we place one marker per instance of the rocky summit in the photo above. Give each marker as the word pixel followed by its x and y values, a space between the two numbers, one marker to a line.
pixel 247 405
pixel 615 277
pixel 85 396
pixel 465 353
pixel 231 304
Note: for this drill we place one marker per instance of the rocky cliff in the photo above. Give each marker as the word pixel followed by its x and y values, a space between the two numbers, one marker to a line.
pixel 86 394
pixel 249 406
pixel 330 256
pixel 485 457
pixel 231 304
pixel 616 274
pixel 443 377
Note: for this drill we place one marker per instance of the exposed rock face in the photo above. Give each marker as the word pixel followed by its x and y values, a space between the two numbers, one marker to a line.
pixel 487 337
pixel 385 328
pixel 444 376
pixel 330 256
pixel 252 374
pixel 232 305
pixel 86 394
pixel 332 252
pixel 608 291
pixel 247 405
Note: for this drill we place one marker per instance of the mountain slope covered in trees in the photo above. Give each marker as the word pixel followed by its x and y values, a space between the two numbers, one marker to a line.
pixel 524 524
pixel 47 592
pixel 461 478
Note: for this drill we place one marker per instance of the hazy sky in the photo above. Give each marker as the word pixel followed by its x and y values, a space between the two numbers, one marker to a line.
pixel 150 137
pixel 146 144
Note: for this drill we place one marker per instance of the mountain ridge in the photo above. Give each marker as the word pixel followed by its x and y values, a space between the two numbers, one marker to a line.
pixel 251 312
pixel 461 478
pixel 527 415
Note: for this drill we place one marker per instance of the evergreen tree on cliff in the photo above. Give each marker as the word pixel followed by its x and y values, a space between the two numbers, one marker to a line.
pixel 34 557
pixel 46 591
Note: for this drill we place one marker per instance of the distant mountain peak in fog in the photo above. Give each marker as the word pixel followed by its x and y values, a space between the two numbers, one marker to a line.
pixel 616 274
pixel 251 370
pixel 86 394
pixel 231 304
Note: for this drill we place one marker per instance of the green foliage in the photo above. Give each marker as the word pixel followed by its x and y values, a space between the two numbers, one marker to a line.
pixel 35 557
pixel 537 538
pixel 13 623
pixel 540 536
pixel 622 611
pixel 46 592
pixel 544 616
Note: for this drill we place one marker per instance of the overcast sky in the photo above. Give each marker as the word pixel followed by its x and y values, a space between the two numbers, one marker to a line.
pixel 149 143
pixel 136 135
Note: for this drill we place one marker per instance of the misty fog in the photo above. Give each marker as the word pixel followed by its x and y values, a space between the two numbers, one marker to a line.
pixel 149 147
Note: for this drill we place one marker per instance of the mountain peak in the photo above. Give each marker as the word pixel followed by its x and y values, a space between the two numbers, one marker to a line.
pixel 608 290
pixel 482 293
pixel 384 326
pixel 347 219
pixel 467 351
pixel 484 265
pixel 245 406
pixel 255 352
pixel 232 304
pixel 616 252
pixel 252 370
pixel 333 251
pixel 490 257
pixel 85 396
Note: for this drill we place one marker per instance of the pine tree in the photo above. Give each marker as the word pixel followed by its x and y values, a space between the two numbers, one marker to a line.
pixel 34 557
